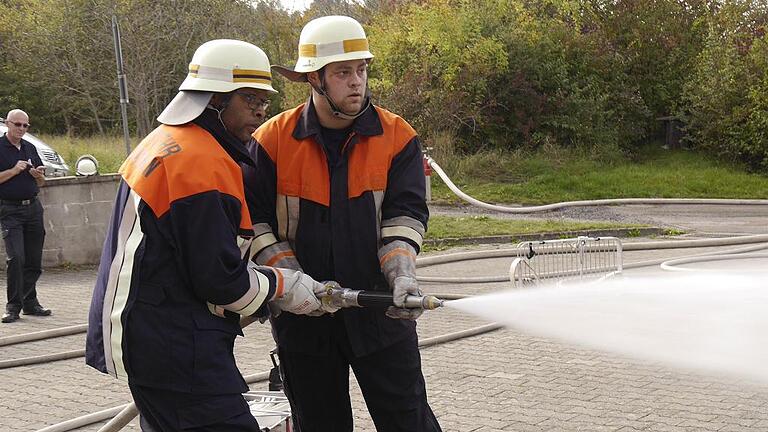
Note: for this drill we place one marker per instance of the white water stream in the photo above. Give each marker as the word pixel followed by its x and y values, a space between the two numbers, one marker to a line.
pixel 711 322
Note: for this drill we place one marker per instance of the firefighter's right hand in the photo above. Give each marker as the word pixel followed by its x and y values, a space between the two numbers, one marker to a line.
pixel 299 294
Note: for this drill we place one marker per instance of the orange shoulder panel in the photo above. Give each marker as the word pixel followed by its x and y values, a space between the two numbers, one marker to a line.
pixel 371 158
pixel 302 170
pixel 175 162
pixel 269 134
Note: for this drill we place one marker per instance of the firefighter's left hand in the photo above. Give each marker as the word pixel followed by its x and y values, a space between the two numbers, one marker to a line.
pixel 404 286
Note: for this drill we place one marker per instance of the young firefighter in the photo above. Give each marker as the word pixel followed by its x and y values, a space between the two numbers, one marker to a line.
pixel 338 191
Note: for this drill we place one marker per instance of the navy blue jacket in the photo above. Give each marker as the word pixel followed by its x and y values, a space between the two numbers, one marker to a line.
pixel 335 216
pixel 174 274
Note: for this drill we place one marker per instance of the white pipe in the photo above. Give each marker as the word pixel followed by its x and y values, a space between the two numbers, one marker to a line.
pixel 44 334
pixel 121 419
pixel 652 245
pixel 125 410
pixel 459 335
pixel 672 265
pixel 464 256
pixel 585 203
pixel 26 361
pixel 85 420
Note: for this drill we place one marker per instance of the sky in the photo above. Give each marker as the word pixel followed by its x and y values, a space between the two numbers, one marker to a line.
pixel 295 5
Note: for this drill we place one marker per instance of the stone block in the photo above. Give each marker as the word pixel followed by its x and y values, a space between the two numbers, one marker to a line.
pixel 53 217
pixel 52 257
pixel 73 215
pixel 65 193
pixel 105 190
pixel 82 244
pixel 98 212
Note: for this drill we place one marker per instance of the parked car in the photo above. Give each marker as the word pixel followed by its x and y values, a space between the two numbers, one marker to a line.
pixel 54 163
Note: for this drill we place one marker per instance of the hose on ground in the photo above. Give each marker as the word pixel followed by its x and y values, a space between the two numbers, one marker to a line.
pixel 43 334
pixel 673 265
pixel 126 414
pixel 514 252
pixel 585 203
pixel 46 358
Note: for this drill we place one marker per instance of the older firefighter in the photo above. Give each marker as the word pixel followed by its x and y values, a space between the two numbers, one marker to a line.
pixel 175 275
pixel 338 192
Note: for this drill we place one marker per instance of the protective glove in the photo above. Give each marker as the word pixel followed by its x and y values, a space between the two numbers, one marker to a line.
pixel 299 294
pixel 398 263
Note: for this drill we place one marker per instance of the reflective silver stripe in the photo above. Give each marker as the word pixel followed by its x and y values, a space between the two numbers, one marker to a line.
pixel 261 283
pixel 378 199
pixel 281 211
pixel 119 286
pixel 270 252
pixel 287 217
pixel 405 221
pixel 244 244
pixel 403 226
pixel 263 241
pixel 293 217
pixel 261 228
pixel 404 232
pixel 215 310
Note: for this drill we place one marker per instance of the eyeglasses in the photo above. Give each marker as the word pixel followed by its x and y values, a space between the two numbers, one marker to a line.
pixel 253 101
pixel 19 124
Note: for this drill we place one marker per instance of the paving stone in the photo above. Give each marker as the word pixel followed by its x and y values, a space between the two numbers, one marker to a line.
pixel 499 381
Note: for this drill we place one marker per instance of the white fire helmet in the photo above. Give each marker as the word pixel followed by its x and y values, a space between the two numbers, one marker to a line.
pixel 218 66
pixel 327 40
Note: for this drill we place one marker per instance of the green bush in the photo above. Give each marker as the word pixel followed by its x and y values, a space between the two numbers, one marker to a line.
pixel 502 74
pixel 726 100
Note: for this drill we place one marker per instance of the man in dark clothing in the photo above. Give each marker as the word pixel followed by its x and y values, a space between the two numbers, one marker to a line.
pixel 21 217
pixel 338 192
pixel 175 274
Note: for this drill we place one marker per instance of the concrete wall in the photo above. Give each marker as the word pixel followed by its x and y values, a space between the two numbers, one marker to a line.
pixel 77 211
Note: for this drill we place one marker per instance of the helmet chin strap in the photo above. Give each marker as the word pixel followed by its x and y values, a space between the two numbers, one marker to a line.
pixel 337 112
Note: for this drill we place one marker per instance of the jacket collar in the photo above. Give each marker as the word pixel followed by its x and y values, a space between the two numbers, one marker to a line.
pixel 367 124
pixel 209 121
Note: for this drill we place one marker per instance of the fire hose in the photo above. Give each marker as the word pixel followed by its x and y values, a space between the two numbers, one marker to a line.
pixel 585 203
pixel 343 297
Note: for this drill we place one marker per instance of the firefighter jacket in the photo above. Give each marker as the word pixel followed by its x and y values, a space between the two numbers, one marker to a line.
pixel 334 214
pixel 175 274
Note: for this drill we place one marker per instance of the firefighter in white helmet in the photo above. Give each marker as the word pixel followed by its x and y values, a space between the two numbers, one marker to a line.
pixel 175 274
pixel 339 193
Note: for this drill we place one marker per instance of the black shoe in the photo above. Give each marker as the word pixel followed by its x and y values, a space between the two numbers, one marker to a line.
pixel 10 317
pixel 36 311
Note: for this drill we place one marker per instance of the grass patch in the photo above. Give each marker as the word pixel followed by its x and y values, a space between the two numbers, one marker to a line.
pixel 551 175
pixel 109 151
pixel 444 227
pixel 543 178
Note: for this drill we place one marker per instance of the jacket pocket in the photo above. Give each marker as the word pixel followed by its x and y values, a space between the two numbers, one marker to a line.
pixel 151 293
pixel 215 370
pixel 212 410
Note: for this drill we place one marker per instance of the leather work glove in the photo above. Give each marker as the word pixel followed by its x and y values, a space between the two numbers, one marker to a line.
pixel 398 263
pixel 299 295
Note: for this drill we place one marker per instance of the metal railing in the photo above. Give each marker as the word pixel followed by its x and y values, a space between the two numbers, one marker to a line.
pixel 572 259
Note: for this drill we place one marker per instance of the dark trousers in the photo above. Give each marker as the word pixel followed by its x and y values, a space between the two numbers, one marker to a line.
pixel 391 382
pixel 168 411
pixel 23 234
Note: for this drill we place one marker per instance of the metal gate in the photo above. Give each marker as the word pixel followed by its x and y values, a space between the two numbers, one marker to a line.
pixel 581 258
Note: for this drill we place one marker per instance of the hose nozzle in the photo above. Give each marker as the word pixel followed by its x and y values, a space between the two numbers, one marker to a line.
pixel 345 297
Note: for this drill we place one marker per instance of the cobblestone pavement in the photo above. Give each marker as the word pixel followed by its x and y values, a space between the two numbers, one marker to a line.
pixel 498 381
